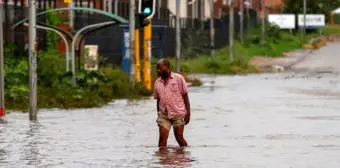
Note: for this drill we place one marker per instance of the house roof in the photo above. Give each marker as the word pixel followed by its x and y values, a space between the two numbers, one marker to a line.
pixel 336 11
pixel 274 2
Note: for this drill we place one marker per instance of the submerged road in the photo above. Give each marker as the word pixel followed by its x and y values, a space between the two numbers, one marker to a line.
pixel 285 120
pixel 276 120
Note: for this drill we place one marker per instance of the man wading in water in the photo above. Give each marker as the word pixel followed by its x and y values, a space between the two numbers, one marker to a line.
pixel 173 105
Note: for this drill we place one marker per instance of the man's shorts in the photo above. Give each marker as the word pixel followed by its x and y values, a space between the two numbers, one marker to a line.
pixel 164 121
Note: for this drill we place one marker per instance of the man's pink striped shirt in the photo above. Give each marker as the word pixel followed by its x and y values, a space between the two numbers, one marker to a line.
pixel 170 95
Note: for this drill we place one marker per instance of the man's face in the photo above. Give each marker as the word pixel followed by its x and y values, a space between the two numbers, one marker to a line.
pixel 162 70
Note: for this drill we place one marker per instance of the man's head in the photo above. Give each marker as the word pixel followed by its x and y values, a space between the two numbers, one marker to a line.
pixel 163 68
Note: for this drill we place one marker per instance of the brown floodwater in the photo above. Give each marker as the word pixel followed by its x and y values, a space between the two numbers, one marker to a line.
pixel 257 121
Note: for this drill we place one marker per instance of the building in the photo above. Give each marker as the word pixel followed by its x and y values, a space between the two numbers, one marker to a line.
pixel 272 6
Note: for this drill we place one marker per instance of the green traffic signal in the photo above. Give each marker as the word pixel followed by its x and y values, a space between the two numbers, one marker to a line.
pixel 147 10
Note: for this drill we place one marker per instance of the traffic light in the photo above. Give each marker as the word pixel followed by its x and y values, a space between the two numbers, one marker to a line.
pixel 141 21
pixel 146 8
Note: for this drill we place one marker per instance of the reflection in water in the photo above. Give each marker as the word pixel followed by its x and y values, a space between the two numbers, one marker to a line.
pixel 3 154
pixel 31 149
pixel 175 156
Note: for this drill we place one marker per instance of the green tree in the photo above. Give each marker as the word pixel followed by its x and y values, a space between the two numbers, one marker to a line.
pixel 313 6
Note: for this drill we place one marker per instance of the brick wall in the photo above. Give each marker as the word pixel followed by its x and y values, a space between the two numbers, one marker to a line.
pixel 220 5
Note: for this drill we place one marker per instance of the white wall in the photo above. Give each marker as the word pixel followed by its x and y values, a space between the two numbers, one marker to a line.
pixel 183 7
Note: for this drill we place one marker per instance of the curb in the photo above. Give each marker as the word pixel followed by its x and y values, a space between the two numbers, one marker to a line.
pixel 303 57
pixel 277 67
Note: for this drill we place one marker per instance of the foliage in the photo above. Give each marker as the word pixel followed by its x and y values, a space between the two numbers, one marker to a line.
pixel 313 7
pixel 52 19
pixel 276 42
pixel 55 88
pixel 195 42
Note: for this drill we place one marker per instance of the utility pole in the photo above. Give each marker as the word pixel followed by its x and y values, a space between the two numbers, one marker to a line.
pixel 212 29
pixel 2 74
pixel 304 19
pixel 178 37
pixel 241 21
pixel 131 49
pixel 32 60
pixel 263 21
pixel 231 30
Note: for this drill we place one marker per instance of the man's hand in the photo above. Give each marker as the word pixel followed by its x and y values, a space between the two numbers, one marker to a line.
pixel 187 107
pixel 187 119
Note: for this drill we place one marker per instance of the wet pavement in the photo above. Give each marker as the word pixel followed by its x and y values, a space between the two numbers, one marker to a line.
pixel 257 121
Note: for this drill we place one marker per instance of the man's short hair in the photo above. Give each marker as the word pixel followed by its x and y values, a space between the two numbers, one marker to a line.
pixel 165 62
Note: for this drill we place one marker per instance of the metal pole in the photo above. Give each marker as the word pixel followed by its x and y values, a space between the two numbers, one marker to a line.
pixel 193 11
pixel 192 14
pixel 304 19
pixel 212 29
pixel 74 41
pixel 131 49
pixel 178 36
pixel 137 56
pixel 116 7
pixel 71 15
pixel 202 4
pixel 109 6
pixel 231 29
pixel 147 55
pixel 32 61
pixel 263 21
pixel 241 20
pixel 159 8
pixel 2 81
pixel 248 19
pixel 67 54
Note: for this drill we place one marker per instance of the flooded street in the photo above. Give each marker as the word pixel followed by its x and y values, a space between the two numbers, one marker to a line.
pixel 269 120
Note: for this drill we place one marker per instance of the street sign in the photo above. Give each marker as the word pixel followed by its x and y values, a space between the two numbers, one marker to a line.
pixel 91 57
pixel 67 1
pixel 284 21
pixel 312 20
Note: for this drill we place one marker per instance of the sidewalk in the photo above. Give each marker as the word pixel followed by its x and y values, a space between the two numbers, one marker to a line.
pixel 270 64
pixel 326 55
pixel 326 59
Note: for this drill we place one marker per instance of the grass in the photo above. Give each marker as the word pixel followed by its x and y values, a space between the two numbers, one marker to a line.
pixel 331 30
pixel 276 44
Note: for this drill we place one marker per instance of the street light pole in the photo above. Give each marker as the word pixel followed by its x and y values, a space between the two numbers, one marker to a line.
pixel 71 15
pixel 304 19
pixel 32 61
pixel 212 29
pixel 241 20
pixel 178 36
pixel 131 49
pixel 231 30
pixel 2 74
pixel 263 21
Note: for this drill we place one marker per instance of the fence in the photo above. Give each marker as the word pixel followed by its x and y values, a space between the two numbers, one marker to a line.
pixel 195 33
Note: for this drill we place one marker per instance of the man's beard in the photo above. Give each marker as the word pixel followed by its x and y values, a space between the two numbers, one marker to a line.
pixel 163 74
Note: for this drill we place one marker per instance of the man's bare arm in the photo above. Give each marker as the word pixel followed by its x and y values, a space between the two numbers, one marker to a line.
pixel 187 102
